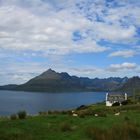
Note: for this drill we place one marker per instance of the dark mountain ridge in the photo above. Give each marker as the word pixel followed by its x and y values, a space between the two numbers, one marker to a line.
pixel 51 81
pixel 132 85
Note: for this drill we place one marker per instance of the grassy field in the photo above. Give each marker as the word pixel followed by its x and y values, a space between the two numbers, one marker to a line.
pixel 62 126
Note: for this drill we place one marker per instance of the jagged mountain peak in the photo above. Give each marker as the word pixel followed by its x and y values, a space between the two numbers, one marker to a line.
pixel 52 81
pixel 49 71
pixel 48 74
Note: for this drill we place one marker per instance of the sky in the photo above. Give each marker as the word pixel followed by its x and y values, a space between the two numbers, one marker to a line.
pixel 88 38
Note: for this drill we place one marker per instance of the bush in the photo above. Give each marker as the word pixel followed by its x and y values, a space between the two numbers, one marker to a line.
pixel 81 115
pixel 13 117
pixel 96 133
pixel 81 107
pixel 54 112
pixel 43 113
pixel 69 112
pixel 50 112
pixel 90 112
pixel 65 127
pixel 116 104
pixel 87 112
pixel 124 102
pixel 63 112
pixel 126 118
pixel 22 114
pixel 125 131
pixel 102 114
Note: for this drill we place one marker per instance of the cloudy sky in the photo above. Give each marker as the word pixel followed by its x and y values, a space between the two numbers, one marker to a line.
pixel 94 38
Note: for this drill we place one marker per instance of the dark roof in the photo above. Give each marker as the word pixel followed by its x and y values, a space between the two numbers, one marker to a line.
pixel 116 93
pixel 116 97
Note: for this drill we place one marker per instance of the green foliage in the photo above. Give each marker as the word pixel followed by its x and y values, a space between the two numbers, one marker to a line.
pixel 13 117
pixel 91 112
pixel 50 112
pixel 22 114
pixel 65 126
pixel 126 118
pixel 102 114
pixel 82 115
pixel 123 131
pixel 64 112
pixel 55 112
pixel 82 107
pixel 124 102
pixel 62 126
pixel 43 113
pixel 116 104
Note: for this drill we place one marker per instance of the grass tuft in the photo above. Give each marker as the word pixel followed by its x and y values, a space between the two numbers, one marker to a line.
pixel 65 126
pixel 22 114
pixel 125 131
pixel 13 117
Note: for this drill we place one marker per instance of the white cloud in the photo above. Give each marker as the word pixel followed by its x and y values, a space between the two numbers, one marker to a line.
pixel 123 53
pixel 123 14
pixel 45 29
pixel 122 66
pixel 24 30
pixel 18 73
pixel 113 23
pixel 38 26
pixel 114 33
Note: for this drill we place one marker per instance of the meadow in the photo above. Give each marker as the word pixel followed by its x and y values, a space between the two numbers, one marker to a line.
pixel 86 126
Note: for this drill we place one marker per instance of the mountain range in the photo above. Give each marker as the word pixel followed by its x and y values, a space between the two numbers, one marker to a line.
pixel 51 81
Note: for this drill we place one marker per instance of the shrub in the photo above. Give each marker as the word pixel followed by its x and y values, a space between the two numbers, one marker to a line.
pixel 13 117
pixel 126 118
pixel 63 112
pixel 116 104
pixel 50 112
pixel 22 114
pixel 81 107
pixel 90 112
pixel 125 131
pixel 43 113
pixel 69 112
pixel 81 115
pixel 96 133
pixel 124 102
pixel 102 114
pixel 64 126
pixel 54 112
pixel 87 112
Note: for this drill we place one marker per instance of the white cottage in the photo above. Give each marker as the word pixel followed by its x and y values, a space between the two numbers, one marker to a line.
pixel 112 98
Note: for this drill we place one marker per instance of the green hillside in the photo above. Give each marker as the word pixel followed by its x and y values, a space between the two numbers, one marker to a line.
pixel 64 126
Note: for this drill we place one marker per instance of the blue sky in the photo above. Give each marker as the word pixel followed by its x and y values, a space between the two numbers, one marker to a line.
pixel 89 38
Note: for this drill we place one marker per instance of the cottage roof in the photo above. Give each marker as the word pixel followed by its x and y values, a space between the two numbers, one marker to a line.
pixel 116 97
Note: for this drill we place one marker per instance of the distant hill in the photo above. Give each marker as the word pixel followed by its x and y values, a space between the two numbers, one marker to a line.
pixel 51 81
pixel 8 87
pixel 132 85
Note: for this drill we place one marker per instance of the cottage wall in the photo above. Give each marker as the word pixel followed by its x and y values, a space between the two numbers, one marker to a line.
pixel 108 103
pixel 110 99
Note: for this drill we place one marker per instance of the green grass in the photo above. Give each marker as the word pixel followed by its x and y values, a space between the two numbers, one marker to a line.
pixel 64 127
